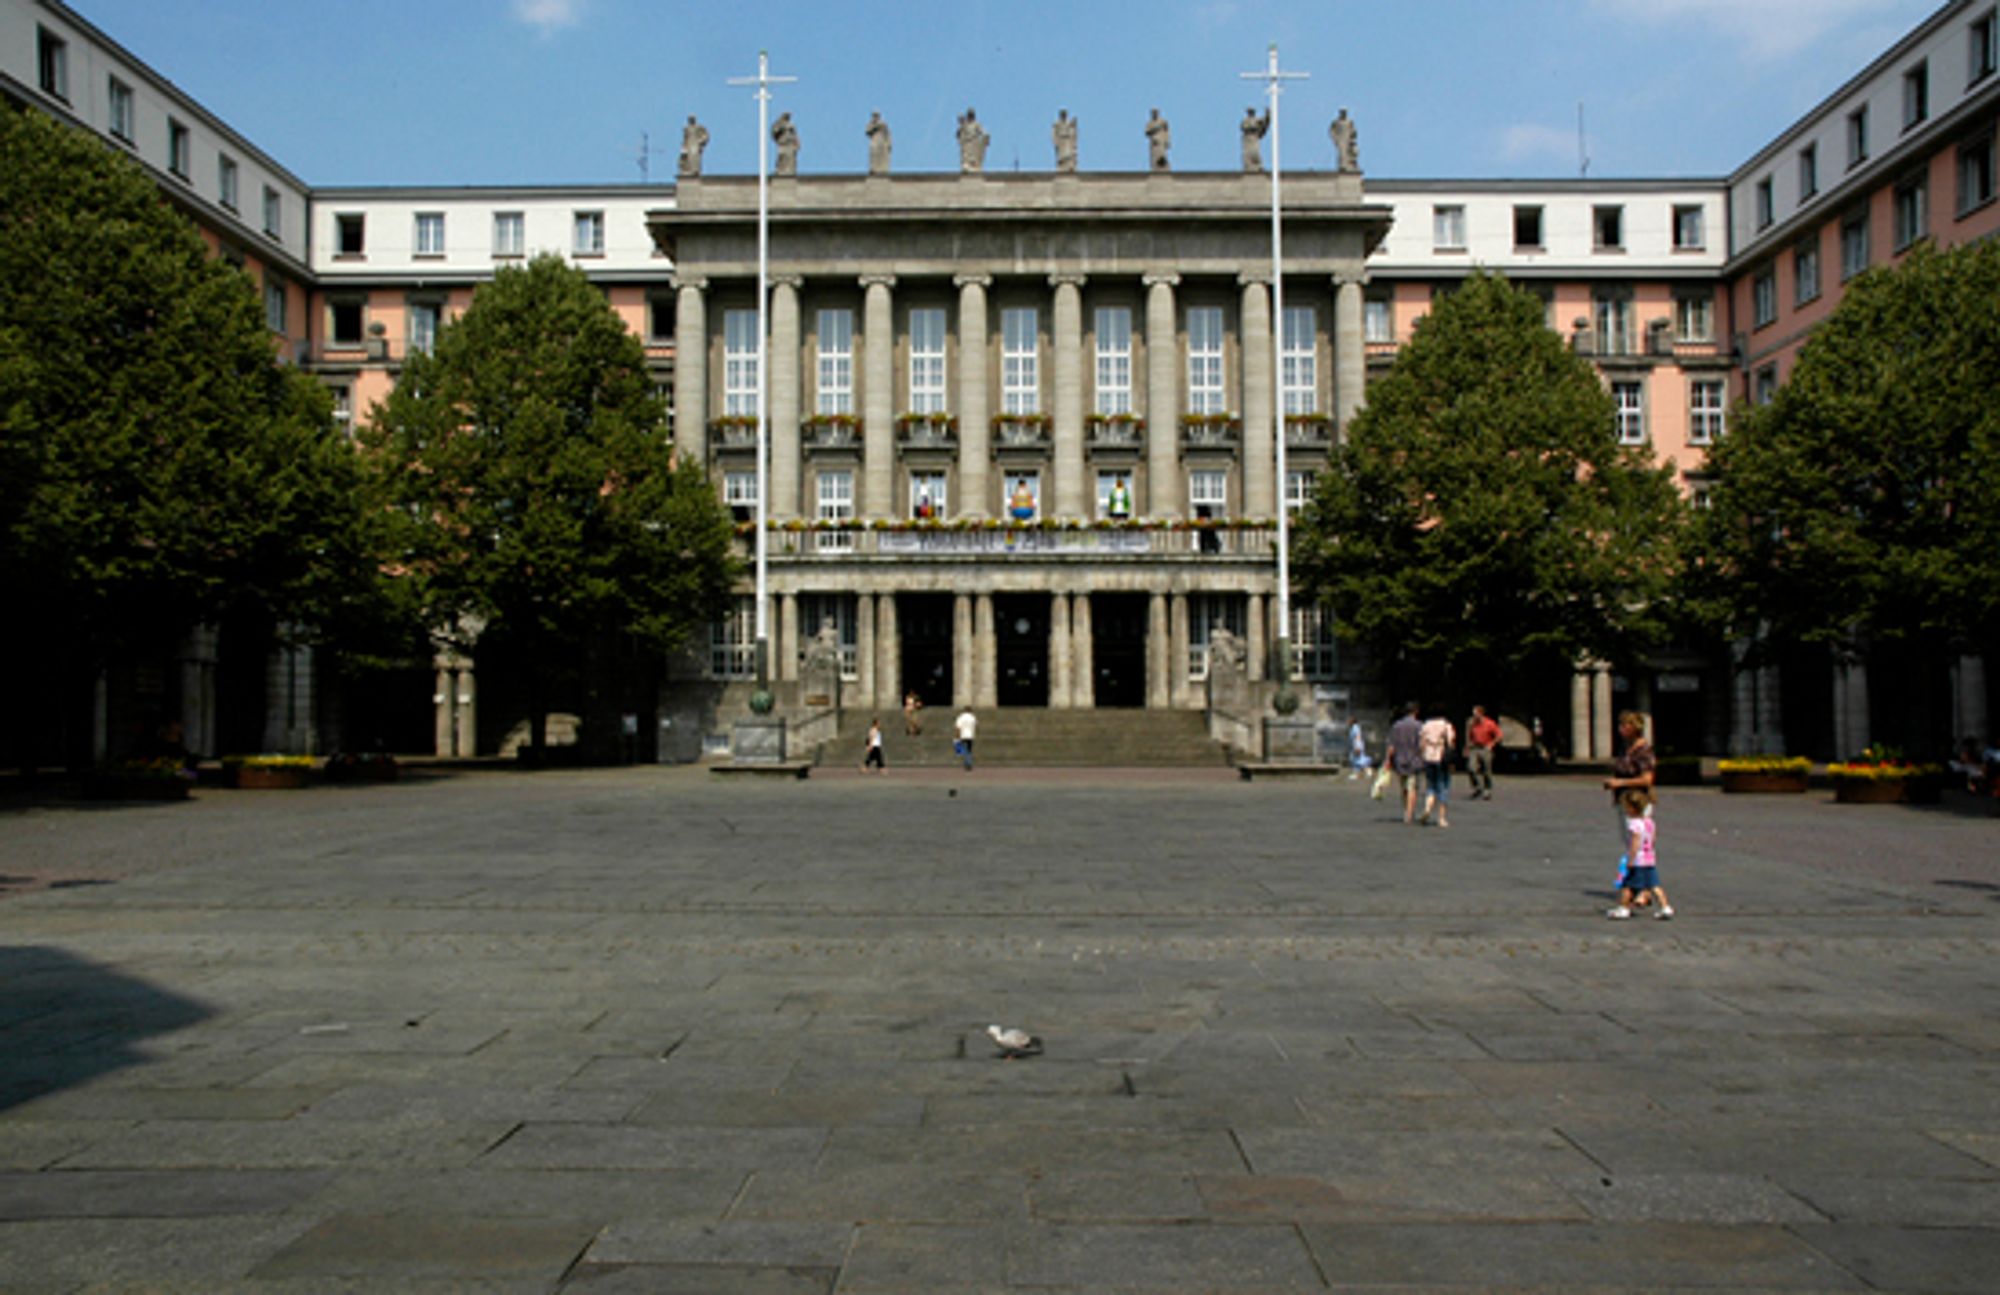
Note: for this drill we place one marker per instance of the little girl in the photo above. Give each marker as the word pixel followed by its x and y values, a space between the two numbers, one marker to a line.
pixel 1642 877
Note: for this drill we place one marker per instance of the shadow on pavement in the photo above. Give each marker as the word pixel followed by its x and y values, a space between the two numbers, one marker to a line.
pixel 65 1020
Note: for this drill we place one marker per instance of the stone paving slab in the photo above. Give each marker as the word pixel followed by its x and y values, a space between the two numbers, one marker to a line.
pixel 641 1030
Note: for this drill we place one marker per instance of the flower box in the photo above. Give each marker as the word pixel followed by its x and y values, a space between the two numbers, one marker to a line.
pixel 254 778
pixel 1764 783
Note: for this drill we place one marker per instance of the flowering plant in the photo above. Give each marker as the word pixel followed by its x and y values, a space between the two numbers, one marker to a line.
pixel 1881 763
pixel 1020 420
pixel 849 421
pixel 1766 764
pixel 267 762
pixel 158 766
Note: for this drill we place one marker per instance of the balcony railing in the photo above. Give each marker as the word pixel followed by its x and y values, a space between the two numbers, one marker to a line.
pixel 732 432
pixel 1115 431
pixel 1309 432
pixel 927 432
pixel 1021 432
pixel 804 540
pixel 830 432
pixel 1211 431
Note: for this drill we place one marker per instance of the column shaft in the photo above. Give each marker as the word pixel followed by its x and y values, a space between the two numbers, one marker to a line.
pixel 1257 649
pixel 691 371
pixel 1177 649
pixel 1083 651
pixel 974 431
pixel 878 453
pixel 889 652
pixel 963 687
pixel 468 711
pixel 1259 465
pixel 444 722
pixel 864 651
pixel 1163 405
pixel 1579 713
pixel 787 610
pixel 784 398
pixel 986 653
pixel 1350 354
pixel 1059 652
pixel 1070 494
pixel 1159 652
pixel 1601 744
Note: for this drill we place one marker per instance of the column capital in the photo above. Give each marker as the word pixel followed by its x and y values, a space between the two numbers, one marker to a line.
pixel 971 280
pixel 875 279
pixel 1358 278
pixel 1161 278
pixel 698 282
pixel 1253 279
pixel 792 281
pixel 1068 278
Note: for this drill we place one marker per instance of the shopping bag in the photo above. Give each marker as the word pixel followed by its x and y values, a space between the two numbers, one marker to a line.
pixel 1382 777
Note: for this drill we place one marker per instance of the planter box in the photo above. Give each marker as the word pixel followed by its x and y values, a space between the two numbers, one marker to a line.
pixel 269 779
pixel 1885 791
pixel 1765 784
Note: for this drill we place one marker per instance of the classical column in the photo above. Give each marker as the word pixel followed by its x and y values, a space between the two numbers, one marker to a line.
pixel 864 650
pixel 1258 647
pixel 889 652
pixel 444 723
pixel 691 369
pixel 1083 652
pixel 787 664
pixel 467 710
pixel 985 653
pixel 1177 648
pixel 975 433
pixel 1350 353
pixel 1850 708
pixel 1601 746
pixel 783 409
pixel 1060 663
pixel 964 687
pixel 198 690
pixel 1968 697
pixel 878 404
pixel 1163 402
pixel 1070 493
pixel 1579 713
pixel 1260 499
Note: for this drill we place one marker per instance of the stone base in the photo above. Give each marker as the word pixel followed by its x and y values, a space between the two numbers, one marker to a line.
pixel 1290 741
pixel 775 769
pixel 269 779
pixel 1250 772
pixel 757 740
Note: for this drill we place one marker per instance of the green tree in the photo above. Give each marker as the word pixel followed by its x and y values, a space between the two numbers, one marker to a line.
pixel 1863 502
pixel 1480 524
pixel 159 468
pixel 540 502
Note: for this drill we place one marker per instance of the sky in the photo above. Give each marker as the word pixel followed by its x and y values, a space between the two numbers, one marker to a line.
pixel 514 92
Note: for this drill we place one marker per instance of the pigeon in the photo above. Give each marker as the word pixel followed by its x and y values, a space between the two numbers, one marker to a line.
pixel 1014 1044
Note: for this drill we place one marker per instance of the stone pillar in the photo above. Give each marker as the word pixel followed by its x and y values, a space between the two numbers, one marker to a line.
pixel 1260 498
pixel 1071 496
pixel 985 653
pixel 198 690
pixel 467 710
pixel 1968 700
pixel 1850 709
pixel 889 652
pixel 1257 649
pixel 786 667
pixel 1061 679
pixel 691 369
pixel 783 409
pixel 1163 398
pixel 288 701
pixel 1770 711
pixel 878 399
pixel 1601 747
pixel 444 724
pixel 1159 652
pixel 1177 649
pixel 1350 351
pixel 975 432
pixel 964 687
pixel 1579 713
pixel 864 651
pixel 1083 653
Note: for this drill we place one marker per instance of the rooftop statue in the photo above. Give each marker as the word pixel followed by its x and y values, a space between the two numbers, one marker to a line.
pixel 786 137
pixel 1254 127
pixel 972 141
pixel 693 140
pixel 1064 134
pixel 1344 145
pixel 878 145
pixel 1159 138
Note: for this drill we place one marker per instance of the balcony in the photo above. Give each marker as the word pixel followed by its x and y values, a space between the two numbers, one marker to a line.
pixel 1115 432
pixel 823 433
pixel 1211 431
pixel 1309 433
pixel 922 432
pixel 732 432
pixel 1019 433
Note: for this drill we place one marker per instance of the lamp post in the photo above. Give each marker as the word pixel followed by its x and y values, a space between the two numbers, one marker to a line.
pixel 1273 79
pixel 763 81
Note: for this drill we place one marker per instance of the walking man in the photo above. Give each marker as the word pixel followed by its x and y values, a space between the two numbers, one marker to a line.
pixel 1405 757
pixel 1482 735
pixel 966 727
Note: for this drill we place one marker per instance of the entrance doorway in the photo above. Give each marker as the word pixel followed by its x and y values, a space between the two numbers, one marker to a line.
pixel 923 623
pixel 1118 648
pixel 1021 626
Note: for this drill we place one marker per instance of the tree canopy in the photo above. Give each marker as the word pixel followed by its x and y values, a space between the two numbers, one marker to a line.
pixel 159 467
pixel 538 495
pixel 1866 496
pixel 1480 515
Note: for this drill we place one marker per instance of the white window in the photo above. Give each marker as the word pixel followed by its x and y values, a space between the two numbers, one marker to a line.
pixel 1805 271
pixel 1767 210
pixel 1114 360
pixel 180 149
pixel 1378 320
pixel 1448 228
pixel 430 233
pixel 343 405
pixel 119 97
pixel 928 501
pixel 1808 171
pixel 274 303
pixel 589 233
pixel 1690 229
pixel 1916 95
pixel 1981 51
pixel 1857 136
pixel 1020 375
pixel 1208 613
pixel 927 368
pixel 424 317
pixel 1208 492
pixel 1694 319
pixel 1705 411
pixel 225 180
pixel 816 611
pixel 1764 297
pixel 1975 173
pixel 52 63
pixel 350 232
pixel 510 233
pixel 1299 361
pixel 739 363
pixel 1024 496
pixel 1853 245
pixel 1299 486
pixel 274 211
pixel 1630 397
pixel 834 393
pixel 739 494
pixel 1114 495
pixel 1204 361
pixel 1764 384
pixel 732 641
pixel 836 504
pixel 346 318
pixel 1527 227
pixel 1912 211
pixel 1608 228
pixel 1315 653
pixel 1614 321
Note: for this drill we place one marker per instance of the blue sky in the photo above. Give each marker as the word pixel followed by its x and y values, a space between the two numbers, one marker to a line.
pixel 559 91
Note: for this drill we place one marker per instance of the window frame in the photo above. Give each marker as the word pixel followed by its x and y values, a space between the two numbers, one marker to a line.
pixel 1382 311
pixel 1298 361
pixel 1020 360
pixel 1448 227
pixel 1764 296
pixel 337 306
pixel 1808 163
pixel 833 360
pixel 418 339
pixel 51 63
pixel 930 367
pixel 739 494
pixel 1632 415
pixel 1764 383
pixel 1765 204
pixel 277 304
pixel 1697 310
pixel 1600 213
pixel 180 149
pixel 935 481
pixel 1111 329
pixel 1980 152
pixel 1910 206
pixel 504 223
pixel 120 109
pixel 274 212
pixel 1806 285
pixel 1535 212
pixel 739 365
pixel 1708 410
pixel 427 234
pixel 1207 373
pixel 1916 95
pixel 834 505
pixel 590 221
pixel 1982 51
pixel 1857 137
pixel 1612 312
pixel 1685 212
pixel 1856 230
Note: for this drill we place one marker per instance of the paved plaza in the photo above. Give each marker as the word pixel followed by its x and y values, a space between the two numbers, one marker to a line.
pixel 650 1030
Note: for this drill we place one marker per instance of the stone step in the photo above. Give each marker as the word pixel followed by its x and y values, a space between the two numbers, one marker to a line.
pixel 1027 736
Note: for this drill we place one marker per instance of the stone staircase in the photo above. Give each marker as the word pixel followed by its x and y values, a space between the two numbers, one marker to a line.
pixel 1026 736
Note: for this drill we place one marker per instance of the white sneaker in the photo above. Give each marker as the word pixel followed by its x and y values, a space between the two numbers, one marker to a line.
pixel 1664 914
pixel 1618 912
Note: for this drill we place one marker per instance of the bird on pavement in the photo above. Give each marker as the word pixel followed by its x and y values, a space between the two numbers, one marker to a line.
pixel 1014 1043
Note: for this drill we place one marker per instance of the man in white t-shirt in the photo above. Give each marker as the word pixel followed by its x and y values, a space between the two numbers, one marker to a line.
pixel 966 727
